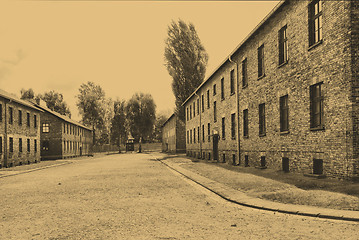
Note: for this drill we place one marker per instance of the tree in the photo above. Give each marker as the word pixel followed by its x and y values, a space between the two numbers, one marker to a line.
pixel 118 128
pixel 55 102
pixel 90 103
pixel 141 115
pixel 160 120
pixel 186 61
pixel 27 94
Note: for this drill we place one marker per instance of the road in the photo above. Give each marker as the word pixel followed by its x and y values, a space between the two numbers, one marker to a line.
pixel 131 196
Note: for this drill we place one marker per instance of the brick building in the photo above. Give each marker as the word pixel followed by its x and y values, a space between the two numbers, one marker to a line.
pixel 19 131
pixel 292 87
pixel 173 135
pixel 62 137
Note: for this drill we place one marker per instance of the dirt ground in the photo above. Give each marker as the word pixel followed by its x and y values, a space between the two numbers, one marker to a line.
pixel 132 196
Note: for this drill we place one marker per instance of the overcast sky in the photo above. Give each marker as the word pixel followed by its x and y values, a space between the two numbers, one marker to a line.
pixel 48 45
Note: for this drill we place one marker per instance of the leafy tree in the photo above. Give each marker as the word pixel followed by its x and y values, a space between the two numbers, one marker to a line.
pixel 118 128
pixel 27 94
pixel 141 115
pixel 55 102
pixel 160 120
pixel 90 102
pixel 186 61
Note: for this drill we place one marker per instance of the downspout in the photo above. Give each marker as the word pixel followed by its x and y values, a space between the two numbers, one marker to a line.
pixel 237 102
pixel 200 126
pixel 5 136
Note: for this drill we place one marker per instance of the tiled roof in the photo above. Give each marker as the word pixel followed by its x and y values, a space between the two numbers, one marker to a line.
pixel 14 98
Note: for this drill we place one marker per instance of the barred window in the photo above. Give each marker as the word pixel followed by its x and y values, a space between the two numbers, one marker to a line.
pixel 214 89
pixel 209 132
pixel 244 73
pixel 20 117
pixel 245 123
pixel 262 120
pixel 28 119
pixel 283 45
pixel 28 145
pixel 215 111
pixel 232 83
pixel 203 133
pixel 222 88
pixel 233 126
pixel 11 119
pixel 261 61
pixel 208 104
pixel 223 128
pixel 284 116
pixel 20 144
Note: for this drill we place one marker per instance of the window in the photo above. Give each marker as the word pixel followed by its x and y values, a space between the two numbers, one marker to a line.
pixel 202 102
pixel 202 133
pixel 318 166
pixel 187 137
pixel 28 145
pixel 194 135
pixel 0 144
pixel 187 115
pixel 263 162
pixel 67 128
pixel 65 124
pixel 245 123
pixel 20 144
pixel 11 144
pixel 35 121
pixel 20 117
pixel 194 108
pixel 46 145
pixel 233 126
pixel 45 127
pixel 284 116
pixel 232 82
pixel 28 119
pixel 262 120
pixel 198 106
pixel 214 90
pixel 283 45
pixel 215 111
pixel 11 119
pixel 285 164
pixel 208 104
pixel 315 22
pixel 0 112
pixel 209 132
pixel 316 106
pixel 198 136
pixel 244 73
pixel 190 112
pixel 223 128
pixel 261 61
pixel 222 88
pixel 35 145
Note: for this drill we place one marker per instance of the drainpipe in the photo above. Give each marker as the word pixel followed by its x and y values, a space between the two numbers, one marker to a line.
pixel 200 126
pixel 5 136
pixel 237 102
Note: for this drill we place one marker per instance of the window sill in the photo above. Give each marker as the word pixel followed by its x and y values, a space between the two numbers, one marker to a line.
pixel 282 64
pixel 262 135
pixel 246 137
pixel 314 45
pixel 233 138
pixel 245 86
pixel 284 132
pixel 222 99
pixel 260 77
pixel 233 93
pixel 321 128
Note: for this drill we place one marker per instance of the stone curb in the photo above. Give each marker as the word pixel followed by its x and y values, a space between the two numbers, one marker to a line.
pixel 35 169
pixel 241 198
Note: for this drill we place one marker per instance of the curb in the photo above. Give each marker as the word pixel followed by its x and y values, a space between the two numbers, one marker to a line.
pixel 230 198
pixel 35 169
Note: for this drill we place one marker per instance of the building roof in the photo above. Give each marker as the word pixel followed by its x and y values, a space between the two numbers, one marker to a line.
pixel 14 98
pixel 269 15
pixel 168 119
pixel 62 117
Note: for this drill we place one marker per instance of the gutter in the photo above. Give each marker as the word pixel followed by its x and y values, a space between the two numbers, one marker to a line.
pixel 237 103
pixel 200 126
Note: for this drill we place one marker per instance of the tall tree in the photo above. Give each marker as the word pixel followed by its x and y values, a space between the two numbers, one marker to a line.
pixel 141 115
pixel 186 61
pixel 160 120
pixel 118 128
pixel 90 102
pixel 55 102
pixel 27 94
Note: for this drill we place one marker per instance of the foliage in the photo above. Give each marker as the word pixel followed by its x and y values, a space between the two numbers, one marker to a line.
pixel 141 115
pixel 55 102
pixel 27 94
pixel 160 120
pixel 118 130
pixel 186 61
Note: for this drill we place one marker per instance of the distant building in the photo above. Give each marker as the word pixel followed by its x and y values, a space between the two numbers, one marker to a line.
pixel 173 135
pixel 19 131
pixel 62 137
pixel 287 96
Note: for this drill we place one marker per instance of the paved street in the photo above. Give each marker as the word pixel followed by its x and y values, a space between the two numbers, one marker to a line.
pixel 131 196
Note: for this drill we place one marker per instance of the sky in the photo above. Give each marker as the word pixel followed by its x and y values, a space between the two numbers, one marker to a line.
pixel 119 45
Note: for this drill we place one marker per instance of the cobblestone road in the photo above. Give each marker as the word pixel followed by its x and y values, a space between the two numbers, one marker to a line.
pixel 131 196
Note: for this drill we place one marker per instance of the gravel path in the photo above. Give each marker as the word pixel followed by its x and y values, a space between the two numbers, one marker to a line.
pixel 130 196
